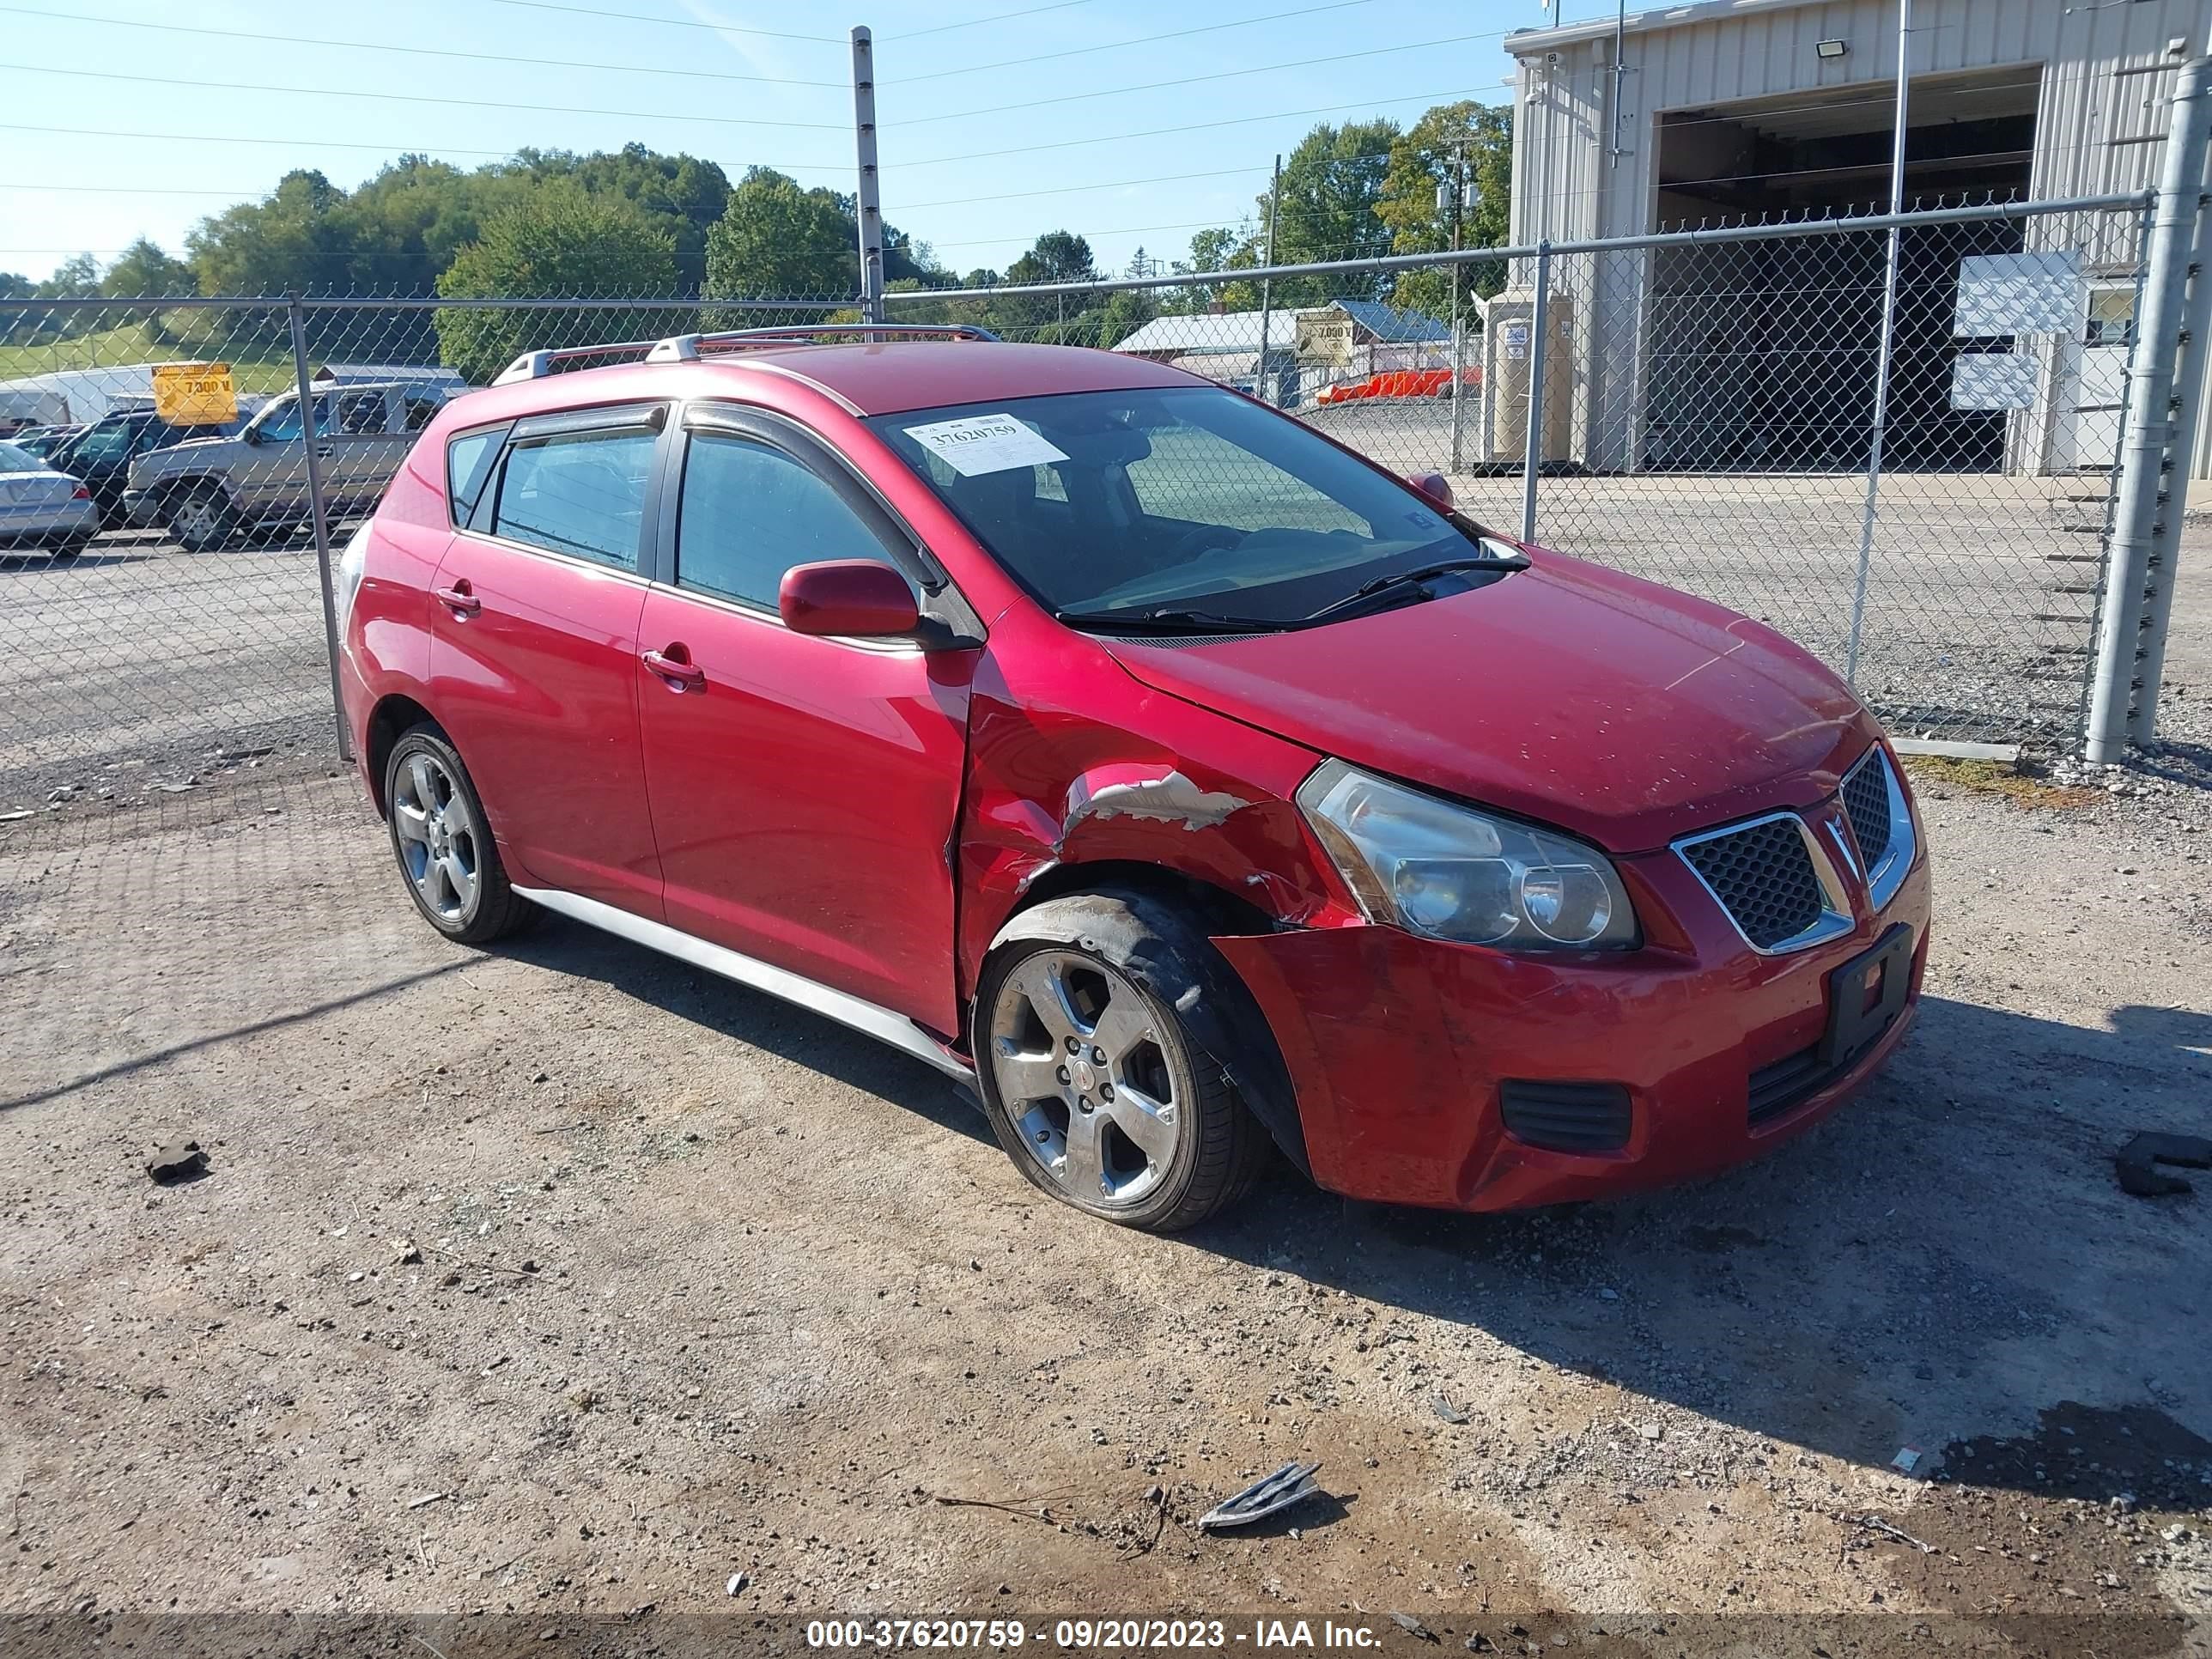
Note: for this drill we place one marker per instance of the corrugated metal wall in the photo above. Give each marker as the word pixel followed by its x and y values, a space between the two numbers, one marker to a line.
pixel 1568 182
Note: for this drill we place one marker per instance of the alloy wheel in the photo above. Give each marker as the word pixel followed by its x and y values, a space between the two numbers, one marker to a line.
pixel 438 837
pixel 1082 1074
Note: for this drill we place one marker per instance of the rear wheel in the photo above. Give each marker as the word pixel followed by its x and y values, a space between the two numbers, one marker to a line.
pixel 444 843
pixel 1094 1086
pixel 201 519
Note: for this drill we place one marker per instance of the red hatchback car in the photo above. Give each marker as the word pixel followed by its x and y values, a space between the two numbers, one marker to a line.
pixel 1184 780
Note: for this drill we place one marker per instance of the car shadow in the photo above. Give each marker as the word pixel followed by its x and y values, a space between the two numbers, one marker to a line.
pixel 1948 1262
pixel 753 1017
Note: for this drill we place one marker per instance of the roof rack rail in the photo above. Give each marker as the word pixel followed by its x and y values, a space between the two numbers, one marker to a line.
pixel 685 347
pixel 536 365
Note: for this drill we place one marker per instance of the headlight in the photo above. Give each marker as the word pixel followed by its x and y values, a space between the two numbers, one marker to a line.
pixel 1453 873
pixel 346 581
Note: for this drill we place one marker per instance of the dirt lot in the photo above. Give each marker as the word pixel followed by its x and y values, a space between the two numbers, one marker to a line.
pixel 649 1282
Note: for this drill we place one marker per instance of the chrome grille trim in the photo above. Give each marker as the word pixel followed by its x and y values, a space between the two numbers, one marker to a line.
pixel 1885 870
pixel 1835 918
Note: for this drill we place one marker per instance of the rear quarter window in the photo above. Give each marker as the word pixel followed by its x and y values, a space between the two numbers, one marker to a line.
pixel 468 463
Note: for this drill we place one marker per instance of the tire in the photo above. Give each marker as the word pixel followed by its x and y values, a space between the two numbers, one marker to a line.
pixel 1079 1050
pixel 201 519
pixel 443 842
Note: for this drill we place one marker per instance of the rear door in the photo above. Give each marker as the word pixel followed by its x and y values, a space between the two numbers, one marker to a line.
pixel 804 790
pixel 534 654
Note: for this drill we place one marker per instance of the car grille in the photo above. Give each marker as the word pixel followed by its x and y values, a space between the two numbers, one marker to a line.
pixel 1566 1117
pixel 1866 803
pixel 1764 878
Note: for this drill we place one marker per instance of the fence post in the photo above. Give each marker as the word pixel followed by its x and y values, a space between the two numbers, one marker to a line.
pixel 2192 386
pixel 1268 292
pixel 311 438
pixel 869 202
pixel 2147 443
pixel 1539 331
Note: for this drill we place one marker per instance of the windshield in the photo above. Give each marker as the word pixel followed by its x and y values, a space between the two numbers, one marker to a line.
pixel 13 459
pixel 1123 503
pixel 280 423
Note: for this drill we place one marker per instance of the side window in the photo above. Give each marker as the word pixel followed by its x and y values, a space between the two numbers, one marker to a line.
pixel 361 413
pixel 468 463
pixel 284 427
pixel 421 410
pixel 577 492
pixel 750 513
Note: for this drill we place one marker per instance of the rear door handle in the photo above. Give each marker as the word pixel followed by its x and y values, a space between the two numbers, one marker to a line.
pixel 675 669
pixel 324 451
pixel 458 598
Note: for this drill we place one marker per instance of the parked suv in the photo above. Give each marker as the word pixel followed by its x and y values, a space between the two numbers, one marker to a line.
pixel 100 456
pixel 1095 734
pixel 211 489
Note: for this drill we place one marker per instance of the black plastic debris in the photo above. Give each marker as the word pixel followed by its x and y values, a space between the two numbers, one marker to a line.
pixel 180 1161
pixel 2135 1163
pixel 1293 1483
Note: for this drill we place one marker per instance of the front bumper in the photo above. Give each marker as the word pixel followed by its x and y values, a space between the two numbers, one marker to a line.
pixel 141 508
pixel 1397 1047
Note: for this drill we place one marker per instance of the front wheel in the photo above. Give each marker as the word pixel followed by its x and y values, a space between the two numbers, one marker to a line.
pixel 201 519
pixel 444 843
pixel 1094 1086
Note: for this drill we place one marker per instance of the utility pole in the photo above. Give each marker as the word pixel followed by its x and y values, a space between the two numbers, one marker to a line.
pixel 871 213
pixel 1267 285
pixel 1886 349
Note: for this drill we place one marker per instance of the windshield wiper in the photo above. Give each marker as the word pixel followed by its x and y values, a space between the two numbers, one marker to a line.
pixel 1164 621
pixel 1358 598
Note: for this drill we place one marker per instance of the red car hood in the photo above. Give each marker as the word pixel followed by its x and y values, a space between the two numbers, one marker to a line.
pixel 1616 709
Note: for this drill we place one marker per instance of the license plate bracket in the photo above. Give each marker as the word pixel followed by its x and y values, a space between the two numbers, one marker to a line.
pixel 1865 996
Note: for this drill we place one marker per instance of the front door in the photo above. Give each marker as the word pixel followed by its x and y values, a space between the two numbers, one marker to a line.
pixel 534 663
pixel 804 790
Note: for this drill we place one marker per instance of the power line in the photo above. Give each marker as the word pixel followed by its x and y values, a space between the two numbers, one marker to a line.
pixel 425 98
pixel 675 22
pixel 414 51
pixel 1192 80
pixel 1071 189
pixel 1193 126
pixel 1112 45
pixel 1001 17
pixel 285 142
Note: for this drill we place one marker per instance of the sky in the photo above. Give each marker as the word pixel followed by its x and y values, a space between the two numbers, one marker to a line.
pixel 120 129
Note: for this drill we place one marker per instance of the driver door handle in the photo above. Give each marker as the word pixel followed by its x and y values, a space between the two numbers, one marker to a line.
pixel 675 669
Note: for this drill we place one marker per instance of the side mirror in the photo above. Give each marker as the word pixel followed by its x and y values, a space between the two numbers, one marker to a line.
pixel 1432 485
pixel 855 597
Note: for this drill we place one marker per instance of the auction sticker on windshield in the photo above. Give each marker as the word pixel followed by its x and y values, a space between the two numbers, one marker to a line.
pixel 976 443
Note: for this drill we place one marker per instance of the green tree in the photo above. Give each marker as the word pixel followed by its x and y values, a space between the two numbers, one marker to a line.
pixel 1220 248
pixel 1331 184
pixel 296 239
pixel 145 270
pixel 1058 256
pixel 1479 138
pixel 777 240
pixel 560 241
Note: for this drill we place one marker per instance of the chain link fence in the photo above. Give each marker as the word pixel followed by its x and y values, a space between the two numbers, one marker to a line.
pixel 1913 478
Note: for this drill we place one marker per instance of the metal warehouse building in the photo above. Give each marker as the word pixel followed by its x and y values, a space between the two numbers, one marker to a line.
pixel 1760 356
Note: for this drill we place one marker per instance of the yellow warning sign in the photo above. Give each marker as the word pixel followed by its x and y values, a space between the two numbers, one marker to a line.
pixel 194 394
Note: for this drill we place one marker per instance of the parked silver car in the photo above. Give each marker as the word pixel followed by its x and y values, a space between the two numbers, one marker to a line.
pixel 41 507
pixel 208 490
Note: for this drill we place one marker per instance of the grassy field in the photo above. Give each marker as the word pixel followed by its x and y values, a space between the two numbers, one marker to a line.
pixel 256 365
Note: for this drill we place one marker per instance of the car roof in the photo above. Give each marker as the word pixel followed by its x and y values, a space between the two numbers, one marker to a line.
pixel 893 376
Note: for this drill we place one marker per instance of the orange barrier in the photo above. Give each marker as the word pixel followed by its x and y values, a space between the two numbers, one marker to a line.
pixel 1398 383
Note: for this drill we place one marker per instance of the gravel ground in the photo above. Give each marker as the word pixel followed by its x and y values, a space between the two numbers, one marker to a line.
pixel 646 1282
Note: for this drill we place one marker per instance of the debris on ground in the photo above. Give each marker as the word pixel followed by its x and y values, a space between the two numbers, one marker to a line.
pixel 737 1584
pixel 1412 1626
pixel 1444 1408
pixel 1876 1523
pixel 1908 1460
pixel 428 1498
pixel 2134 1163
pixel 178 1161
pixel 1293 1483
